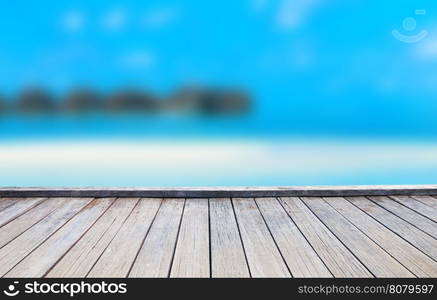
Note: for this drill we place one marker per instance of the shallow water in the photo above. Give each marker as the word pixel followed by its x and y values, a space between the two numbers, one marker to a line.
pixel 216 162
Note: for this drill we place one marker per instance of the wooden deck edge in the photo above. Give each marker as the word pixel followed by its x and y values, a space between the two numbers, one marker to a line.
pixel 218 192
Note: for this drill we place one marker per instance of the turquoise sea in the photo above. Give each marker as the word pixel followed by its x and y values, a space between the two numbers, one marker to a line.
pixel 342 92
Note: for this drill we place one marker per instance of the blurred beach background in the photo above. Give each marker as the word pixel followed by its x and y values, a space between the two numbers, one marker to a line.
pixel 218 93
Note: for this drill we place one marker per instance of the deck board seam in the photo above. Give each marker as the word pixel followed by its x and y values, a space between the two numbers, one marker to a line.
pixel 116 233
pixel 241 238
pixel 392 230
pixel 209 240
pixel 24 211
pixel 50 235
pixel 338 238
pixel 34 224
pixel 380 246
pixel 144 238
pixel 177 239
pixel 305 237
pixel 392 197
pixel 88 229
pixel 400 217
pixel 273 238
pixel 9 199
pixel 421 201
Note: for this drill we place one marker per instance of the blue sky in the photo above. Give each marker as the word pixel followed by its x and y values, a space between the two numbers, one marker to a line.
pixel 332 64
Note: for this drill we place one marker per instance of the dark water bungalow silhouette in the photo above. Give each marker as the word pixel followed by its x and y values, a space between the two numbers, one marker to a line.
pixel 3 105
pixel 35 100
pixel 209 101
pixel 83 100
pixel 132 100
pixel 202 101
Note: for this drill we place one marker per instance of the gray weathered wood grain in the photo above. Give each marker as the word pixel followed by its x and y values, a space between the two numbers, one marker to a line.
pixel 78 261
pixel 410 233
pixel 18 208
pixel 300 257
pixel 406 213
pixel 227 251
pixel 39 262
pixel 12 253
pixel 263 256
pixel 191 258
pixel 409 256
pixel 428 200
pixel 120 254
pixel 418 206
pixel 377 260
pixel 340 261
pixel 20 224
pixel 6 202
pixel 155 256
pixel 219 237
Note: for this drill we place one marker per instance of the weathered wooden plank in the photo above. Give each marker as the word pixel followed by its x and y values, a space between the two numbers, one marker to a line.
pixel 421 208
pixel 221 192
pixel 18 208
pixel 70 247
pixel 12 253
pixel 410 257
pixel 19 225
pixel 379 262
pixel 407 214
pixel 6 202
pixel 193 239
pixel 156 254
pixel 39 262
pixel 79 260
pixel 227 253
pixel 300 257
pixel 340 261
pixel 119 256
pixel 263 256
pixel 412 234
pixel 428 200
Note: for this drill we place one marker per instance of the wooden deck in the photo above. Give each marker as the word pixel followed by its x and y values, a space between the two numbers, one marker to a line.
pixel 373 236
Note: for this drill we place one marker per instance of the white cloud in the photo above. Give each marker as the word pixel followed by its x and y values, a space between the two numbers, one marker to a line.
pixel 160 17
pixel 293 13
pixel 303 56
pixel 427 50
pixel 138 59
pixel 73 21
pixel 114 20
pixel 259 5
pixel 300 57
